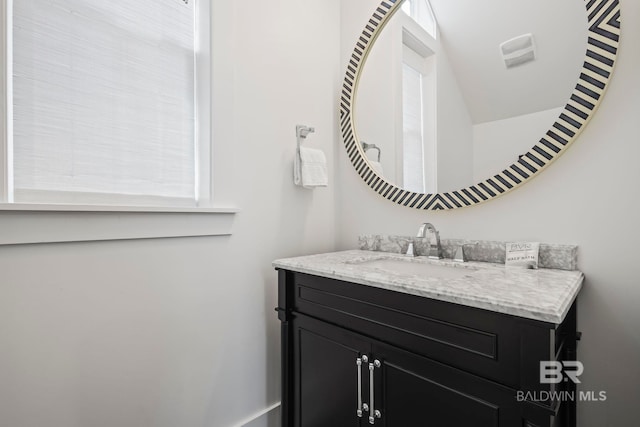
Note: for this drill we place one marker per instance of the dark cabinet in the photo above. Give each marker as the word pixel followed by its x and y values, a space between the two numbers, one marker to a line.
pixel 416 391
pixel 356 355
pixel 326 383
pixel 335 369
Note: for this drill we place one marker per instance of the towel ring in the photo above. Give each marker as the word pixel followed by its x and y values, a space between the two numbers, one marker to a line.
pixel 366 147
pixel 302 132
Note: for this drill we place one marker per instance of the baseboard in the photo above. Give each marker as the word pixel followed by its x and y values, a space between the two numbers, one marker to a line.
pixel 257 416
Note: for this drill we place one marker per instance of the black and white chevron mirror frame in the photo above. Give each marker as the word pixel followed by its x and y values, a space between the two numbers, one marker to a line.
pixel 603 40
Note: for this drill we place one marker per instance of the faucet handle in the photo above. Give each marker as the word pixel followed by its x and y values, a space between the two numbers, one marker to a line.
pixel 410 250
pixel 461 252
pixel 460 255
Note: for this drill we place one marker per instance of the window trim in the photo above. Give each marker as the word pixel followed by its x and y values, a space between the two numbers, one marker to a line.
pixel 203 145
pixel 62 225
pixel 36 223
pixel 203 96
pixel 5 101
pixel 59 207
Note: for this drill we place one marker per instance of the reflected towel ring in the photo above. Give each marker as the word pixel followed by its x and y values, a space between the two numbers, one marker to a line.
pixel 366 147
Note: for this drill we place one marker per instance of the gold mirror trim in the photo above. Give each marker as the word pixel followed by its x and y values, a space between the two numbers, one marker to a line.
pixel 602 48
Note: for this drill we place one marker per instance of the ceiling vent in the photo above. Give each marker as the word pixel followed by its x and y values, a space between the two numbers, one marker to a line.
pixel 518 51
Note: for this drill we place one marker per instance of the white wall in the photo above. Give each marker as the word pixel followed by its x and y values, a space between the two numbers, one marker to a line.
pixel 589 197
pixel 498 144
pixel 378 97
pixel 455 131
pixel 182 332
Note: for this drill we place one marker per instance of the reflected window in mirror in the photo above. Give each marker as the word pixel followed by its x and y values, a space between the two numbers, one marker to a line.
pixel 418 120
pixel 422 13
pixel 413 127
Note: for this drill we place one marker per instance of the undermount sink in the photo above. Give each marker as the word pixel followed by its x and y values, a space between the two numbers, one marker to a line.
pixel 411 266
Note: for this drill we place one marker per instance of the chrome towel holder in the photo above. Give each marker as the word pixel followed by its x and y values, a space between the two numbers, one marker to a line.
pixel 302 132
pixel 366 146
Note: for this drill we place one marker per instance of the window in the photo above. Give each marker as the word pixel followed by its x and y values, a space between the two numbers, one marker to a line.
pixel 101 102
pixel 419 87
pixel 412 115
pixel 419 120
pixel 422 13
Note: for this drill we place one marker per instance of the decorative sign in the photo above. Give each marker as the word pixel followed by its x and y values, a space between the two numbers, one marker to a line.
pixel 522 255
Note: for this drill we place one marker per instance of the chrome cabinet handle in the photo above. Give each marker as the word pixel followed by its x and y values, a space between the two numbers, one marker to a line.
pixel 374 413
pixel 359 365
pixel 361 407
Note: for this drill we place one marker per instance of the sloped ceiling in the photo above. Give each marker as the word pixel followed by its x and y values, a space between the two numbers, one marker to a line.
pixel 471 32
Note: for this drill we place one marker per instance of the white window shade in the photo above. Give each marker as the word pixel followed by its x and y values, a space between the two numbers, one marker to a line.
pixel 103 100
pixel 412 114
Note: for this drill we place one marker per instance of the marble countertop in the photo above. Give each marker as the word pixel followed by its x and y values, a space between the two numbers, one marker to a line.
pixel 543 294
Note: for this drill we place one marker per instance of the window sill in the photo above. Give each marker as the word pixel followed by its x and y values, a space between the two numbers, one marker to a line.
pixel 42 207
pixel 50 223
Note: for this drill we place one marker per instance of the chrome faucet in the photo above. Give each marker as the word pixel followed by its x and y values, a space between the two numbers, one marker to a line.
pixel 435 250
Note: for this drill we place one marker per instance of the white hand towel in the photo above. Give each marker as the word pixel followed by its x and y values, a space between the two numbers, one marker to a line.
pixel 310 168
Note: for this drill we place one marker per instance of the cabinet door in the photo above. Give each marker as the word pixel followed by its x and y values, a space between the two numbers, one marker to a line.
pixel 325 374
pixel 412 390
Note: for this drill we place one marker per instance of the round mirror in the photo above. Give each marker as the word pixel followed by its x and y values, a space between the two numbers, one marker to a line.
pixel 449 103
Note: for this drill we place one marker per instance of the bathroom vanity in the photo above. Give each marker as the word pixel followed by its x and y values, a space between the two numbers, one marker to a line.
pixel 373 338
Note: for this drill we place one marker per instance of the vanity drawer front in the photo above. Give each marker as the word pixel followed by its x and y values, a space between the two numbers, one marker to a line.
pixel 478 341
